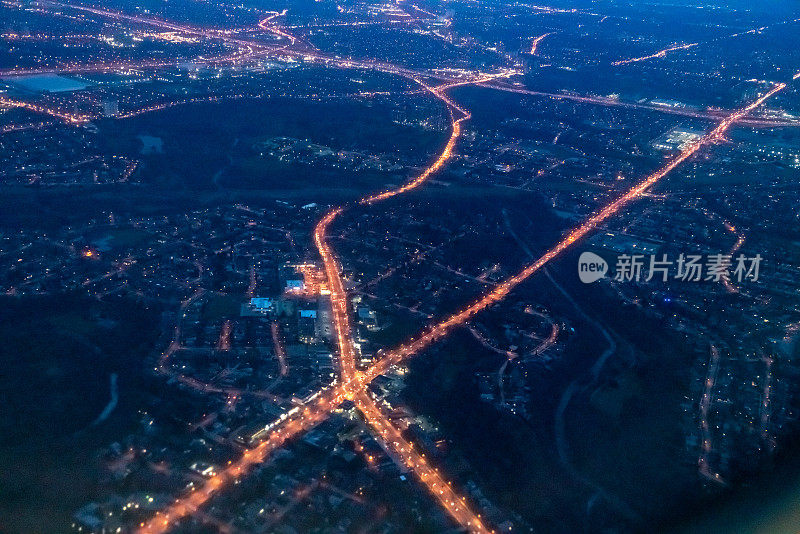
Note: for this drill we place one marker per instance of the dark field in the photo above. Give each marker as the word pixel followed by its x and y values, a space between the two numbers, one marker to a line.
pixel 212 146
pixel 48 444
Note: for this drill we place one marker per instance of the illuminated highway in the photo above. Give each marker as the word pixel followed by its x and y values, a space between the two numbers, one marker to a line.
pixel 351 387
pixel 535 43
pixel 339 309
pixel 442 328
pixel 660 53
pixel 249 49
pixel 245 49
pixel 240 54
pixel 415 461
pixel 69 118
pixel 447 152
pixel 266 24
pixel 339 298
pixel 293 425
pixel 676 48
pixel 352 384
pixel 715 114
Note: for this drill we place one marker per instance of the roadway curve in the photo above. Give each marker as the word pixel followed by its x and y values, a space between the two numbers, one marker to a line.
pixel 318 410
pixel 354 383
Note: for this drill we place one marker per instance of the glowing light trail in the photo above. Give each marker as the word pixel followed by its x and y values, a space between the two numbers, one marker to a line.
pixel 266 24
pixel 676 48
pixel 669 110
pixel 660 53
pixel 536 41
pixel 442 328
pixel 69 118
pixel 353 384
pixel 319 409
pixel 441 489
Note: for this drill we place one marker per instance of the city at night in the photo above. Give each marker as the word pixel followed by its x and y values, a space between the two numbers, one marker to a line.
pixel 400 267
